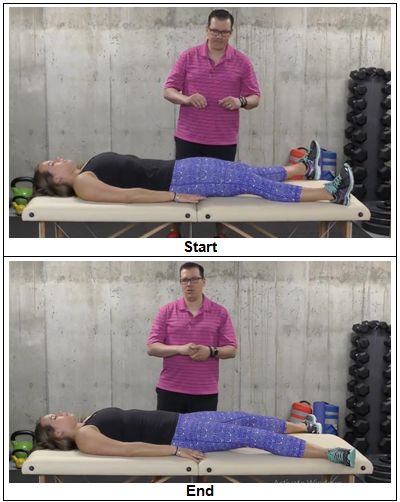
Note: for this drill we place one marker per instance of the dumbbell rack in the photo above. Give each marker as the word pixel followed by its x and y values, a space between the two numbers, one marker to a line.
pixel 369 149
pixel 370 405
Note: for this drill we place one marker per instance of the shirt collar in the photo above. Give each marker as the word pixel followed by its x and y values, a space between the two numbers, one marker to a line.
pixel 206 306
pixel 229 51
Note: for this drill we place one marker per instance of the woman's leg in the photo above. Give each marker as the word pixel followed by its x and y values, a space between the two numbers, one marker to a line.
pixel 216 178
pixel 243 418
pixel 209 435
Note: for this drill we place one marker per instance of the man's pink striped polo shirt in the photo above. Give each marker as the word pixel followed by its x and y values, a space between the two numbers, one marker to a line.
pixel 175 325
pixel 194 72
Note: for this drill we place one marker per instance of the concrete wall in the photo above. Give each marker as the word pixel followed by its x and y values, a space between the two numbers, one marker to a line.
pixel 85 80
pixel 78 331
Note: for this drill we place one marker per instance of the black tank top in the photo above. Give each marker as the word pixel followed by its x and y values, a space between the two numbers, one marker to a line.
pixel 129 171
pixel 156 427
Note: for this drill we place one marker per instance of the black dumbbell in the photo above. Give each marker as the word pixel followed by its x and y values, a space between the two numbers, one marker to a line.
pixel 386 135
pixel 385 424
pixel 360 426
pixel 358 388
pixel 387 372
pixel 359 173
pixel 358 119
pixel 386 389
pixel 387 341
pixel 383 190
pixel 386 357
pixel 386 406
pixel 386 103
pixel 361 342
pixel 384 171
pixel 359 136
pixel 371 71
pixel 359 406
pixel 355 152
pixel 349 131
pixel 386 119
pixel 384 152
pixel 386 89
pixel 360 357
pixel 361 443
pixel 360 328
pixel 359 371
pixel 357 104
pixel 373 324
pixel 387 76
pixel 388 325
pixel 384 444
pixel 360 74
pixel 383 325
pixel 359 191
pixel 380 72
pixel 357 88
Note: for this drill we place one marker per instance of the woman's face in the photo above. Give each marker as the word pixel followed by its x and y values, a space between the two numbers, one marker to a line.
pixel 59 168
pixel 60 421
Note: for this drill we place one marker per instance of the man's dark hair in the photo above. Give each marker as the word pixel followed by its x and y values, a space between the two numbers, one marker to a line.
pixel 189 265
pixel 221 14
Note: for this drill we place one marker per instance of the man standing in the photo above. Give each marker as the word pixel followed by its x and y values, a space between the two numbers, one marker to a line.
pixel 191 335
pixel 211 82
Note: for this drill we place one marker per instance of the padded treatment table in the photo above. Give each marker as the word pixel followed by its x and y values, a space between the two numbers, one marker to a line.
pixel 241 462
pixel 228 210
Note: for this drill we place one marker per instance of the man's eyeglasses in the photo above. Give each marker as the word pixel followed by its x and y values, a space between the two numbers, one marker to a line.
pixel 219 33
pixel 192 280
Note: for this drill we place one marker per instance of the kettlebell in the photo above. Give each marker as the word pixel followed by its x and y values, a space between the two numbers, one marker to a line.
pixel 19 203
pixel 22 195
pixel 18 456
pixel 23 447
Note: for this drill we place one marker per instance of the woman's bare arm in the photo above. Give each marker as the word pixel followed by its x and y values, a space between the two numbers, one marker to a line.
pixel 90 440
pixel 89 187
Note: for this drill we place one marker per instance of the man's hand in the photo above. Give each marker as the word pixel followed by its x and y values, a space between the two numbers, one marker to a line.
pixel 187 350
pixel 199 352
pixel 197 100
pixel 230 103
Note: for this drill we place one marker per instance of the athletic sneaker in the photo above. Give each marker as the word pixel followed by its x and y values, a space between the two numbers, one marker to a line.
pixel 342 456
pixel 341 186
pixel 313 427
pixel 313 162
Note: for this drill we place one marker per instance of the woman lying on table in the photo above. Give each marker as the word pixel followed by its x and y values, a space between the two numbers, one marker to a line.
pixel 111 177
pixel 137 433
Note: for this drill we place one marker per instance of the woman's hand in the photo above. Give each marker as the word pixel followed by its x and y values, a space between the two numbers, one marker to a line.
pixel 191 454
pixel 187 197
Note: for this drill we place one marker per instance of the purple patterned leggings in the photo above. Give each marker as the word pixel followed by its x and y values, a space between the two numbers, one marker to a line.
pixel 221 178
pixel 223 430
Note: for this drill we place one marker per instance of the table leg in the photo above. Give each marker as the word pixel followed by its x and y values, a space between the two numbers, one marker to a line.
pixel 42 229
pixel 348 229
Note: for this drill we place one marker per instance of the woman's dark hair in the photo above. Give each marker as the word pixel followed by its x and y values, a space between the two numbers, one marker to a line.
pixel 221 14
pixel 46 440
pixel 189 265
pixel 43 184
